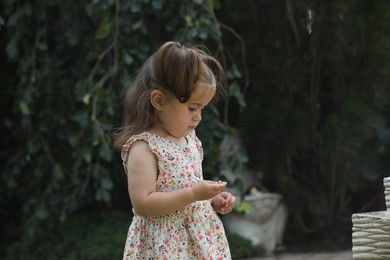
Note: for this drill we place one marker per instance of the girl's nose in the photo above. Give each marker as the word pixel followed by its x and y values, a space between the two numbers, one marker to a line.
pixel 198 117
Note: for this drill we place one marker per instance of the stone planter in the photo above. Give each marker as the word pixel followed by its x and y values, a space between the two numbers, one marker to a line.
pixel 265 223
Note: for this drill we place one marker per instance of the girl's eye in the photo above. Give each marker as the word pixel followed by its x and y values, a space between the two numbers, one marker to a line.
pixel 192 109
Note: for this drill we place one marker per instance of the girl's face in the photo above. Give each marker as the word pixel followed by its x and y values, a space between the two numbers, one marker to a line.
pixel 179 119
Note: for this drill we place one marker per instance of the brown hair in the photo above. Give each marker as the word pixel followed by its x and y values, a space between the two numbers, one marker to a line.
pixel 173 69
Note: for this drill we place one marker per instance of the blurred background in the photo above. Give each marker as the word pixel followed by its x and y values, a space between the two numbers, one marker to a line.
pixel 308 100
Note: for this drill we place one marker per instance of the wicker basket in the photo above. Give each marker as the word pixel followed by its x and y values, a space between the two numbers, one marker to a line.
pixel 371 231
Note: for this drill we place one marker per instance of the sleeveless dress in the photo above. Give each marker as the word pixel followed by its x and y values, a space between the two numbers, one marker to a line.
pixel 194 232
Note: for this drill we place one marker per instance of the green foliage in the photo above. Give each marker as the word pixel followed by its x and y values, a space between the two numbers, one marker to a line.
pixel 315 106
pixel 91 236
pixel 243 207
pixel 83 236
pixel 242 248
pixel 63 70
pixel 307 84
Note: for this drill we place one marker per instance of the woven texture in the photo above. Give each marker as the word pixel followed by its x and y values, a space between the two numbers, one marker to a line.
pixel 386 182
pixel 371 232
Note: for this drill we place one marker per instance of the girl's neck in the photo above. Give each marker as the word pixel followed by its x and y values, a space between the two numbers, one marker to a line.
pixel 163 133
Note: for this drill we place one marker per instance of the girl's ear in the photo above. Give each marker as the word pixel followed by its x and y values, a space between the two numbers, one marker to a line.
pixel 157 99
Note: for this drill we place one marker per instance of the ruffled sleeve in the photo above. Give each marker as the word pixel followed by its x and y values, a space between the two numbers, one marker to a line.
pixel 126 147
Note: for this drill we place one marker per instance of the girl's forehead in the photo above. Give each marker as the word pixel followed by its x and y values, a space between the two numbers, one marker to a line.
pixel 203 93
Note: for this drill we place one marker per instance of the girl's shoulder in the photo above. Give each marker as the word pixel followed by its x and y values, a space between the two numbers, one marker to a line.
pixel 134 138
pixel 144 136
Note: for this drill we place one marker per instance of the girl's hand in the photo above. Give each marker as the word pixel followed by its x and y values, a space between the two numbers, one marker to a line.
pixel 223 203
pixel 204 190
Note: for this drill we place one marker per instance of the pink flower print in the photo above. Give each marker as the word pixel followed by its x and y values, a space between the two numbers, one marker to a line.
pixel 200 236
pixel 163 235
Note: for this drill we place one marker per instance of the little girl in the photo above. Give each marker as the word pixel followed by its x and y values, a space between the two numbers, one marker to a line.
pixel 175 210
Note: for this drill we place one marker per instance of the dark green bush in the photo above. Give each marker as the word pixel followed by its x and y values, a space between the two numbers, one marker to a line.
pixel 88 235
pixel 241 247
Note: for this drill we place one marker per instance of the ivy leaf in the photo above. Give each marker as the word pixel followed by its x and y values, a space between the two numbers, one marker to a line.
pixel 216 4
pixel 192 33
pixel 105 153
pixel 24 108
pixel 157 4
pixel 58 173
pixel 27 9
pixel 137 25
pixel 74 140
pixel 203 33
pixel 234 91
pixel 102 194
pixel 42 46
pixel 11 48
pixel 134 7
pixel 127 58
pixel 188 20
pixel 42 213
pixel 199 2
pixel 106 183
pixel 86 99
pixel 243 207
pixel 13 20
pixel 233 73
pixel 104 29
pixel 87 156
pixel 88 9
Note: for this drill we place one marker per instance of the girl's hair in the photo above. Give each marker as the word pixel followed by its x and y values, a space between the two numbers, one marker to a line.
pixel 173 69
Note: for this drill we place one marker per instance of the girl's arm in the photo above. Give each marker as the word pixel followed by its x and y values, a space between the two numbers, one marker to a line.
pixel 142 173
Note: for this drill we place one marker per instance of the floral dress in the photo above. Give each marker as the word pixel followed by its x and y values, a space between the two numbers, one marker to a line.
pixel 194 232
